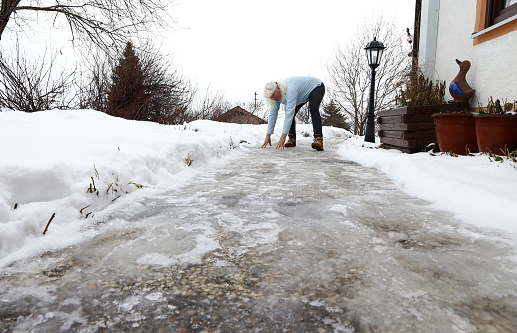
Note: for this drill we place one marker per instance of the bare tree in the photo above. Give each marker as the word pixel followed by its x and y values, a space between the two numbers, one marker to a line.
pixel 33 86
pixel 350 74
pixel 103 22
pixel 92 84
pixel 171 92
pixel 212 105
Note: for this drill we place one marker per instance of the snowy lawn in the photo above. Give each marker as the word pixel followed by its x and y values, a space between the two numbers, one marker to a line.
pixel 77 164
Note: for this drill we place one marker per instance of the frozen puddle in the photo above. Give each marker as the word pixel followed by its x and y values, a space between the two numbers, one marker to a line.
pixel 293 241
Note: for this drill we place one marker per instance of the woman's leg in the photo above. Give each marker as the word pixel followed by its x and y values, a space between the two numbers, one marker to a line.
pixel 315 98
pixel 292 130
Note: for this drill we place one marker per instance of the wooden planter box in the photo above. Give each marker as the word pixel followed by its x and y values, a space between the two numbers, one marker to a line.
pixel 410 129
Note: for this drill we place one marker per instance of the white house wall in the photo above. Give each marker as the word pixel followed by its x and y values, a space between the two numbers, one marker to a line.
pixel 428 35
pixel 494 63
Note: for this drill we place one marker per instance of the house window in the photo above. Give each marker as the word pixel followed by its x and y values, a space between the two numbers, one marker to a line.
pixel 500 10
pixel 494 18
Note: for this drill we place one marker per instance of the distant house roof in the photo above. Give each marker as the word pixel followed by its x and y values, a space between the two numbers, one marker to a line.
pixel 240 116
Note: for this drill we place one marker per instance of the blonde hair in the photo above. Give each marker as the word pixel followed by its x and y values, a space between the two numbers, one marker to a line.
pixel 270 88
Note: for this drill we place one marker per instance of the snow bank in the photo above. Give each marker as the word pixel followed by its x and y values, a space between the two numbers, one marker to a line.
pixel 477 190
pixel 63 161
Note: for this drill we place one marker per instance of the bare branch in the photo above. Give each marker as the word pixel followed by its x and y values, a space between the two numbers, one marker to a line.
pixel 102 22
pixel 211 106
pixel 33 87
pixel 350 74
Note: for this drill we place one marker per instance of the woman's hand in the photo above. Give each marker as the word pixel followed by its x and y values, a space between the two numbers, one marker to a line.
pixel 281 142
pixel 266 141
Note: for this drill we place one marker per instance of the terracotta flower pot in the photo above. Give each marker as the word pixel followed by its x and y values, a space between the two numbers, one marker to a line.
pixel 456 132
pixel 496 132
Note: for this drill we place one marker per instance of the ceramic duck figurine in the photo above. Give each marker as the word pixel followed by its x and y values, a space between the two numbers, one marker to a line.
pixel 459 88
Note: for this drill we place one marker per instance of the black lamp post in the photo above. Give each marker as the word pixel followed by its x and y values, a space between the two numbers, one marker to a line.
pixel 374 51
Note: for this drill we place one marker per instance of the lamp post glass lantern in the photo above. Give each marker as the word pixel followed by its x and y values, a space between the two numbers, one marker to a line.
pixel 374 51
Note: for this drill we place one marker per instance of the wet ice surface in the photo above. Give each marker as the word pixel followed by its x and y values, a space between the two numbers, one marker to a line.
pixel 292 241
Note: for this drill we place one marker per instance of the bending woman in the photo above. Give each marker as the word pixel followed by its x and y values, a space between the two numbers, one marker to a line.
pixel 294 92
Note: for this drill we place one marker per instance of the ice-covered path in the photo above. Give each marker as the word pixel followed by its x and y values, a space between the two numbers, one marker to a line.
pixel 276 241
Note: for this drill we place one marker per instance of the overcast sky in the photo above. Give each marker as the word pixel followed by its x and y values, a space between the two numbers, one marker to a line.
pixel 237 46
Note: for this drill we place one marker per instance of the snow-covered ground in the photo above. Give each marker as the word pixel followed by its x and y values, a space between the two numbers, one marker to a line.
pixel 75 165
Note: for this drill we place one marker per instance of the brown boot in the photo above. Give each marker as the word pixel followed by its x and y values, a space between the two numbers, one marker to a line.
pixel 291 142
pixel 318 142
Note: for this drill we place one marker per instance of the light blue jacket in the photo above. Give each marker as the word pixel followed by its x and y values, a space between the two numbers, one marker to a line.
pixel 298 89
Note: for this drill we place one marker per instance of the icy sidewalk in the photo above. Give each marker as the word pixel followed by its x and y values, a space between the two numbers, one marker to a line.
pixel 276 241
